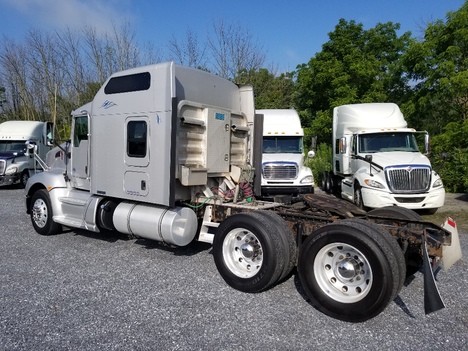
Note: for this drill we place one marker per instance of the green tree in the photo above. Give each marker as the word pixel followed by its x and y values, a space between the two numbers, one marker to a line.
pixel 270 91
pixel 438 66
pixel 450 156
pixel 354 66
pixel 321 162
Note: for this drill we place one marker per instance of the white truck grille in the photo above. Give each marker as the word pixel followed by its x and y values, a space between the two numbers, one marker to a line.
pixel 273 171
pixel 409 179
pixel 2 167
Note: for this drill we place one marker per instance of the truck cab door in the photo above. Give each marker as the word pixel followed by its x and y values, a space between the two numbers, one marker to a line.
pixel 342 155
pixel 80 152
pixel 355 162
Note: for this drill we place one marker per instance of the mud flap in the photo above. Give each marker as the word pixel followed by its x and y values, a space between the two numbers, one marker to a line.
pixel 432 299
pixel 452 253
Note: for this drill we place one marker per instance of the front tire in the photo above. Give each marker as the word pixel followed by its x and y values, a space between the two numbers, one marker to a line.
pixel 41 214
pixel 325 178
pixel 249 252
pixel 24 179
pixel 358 197
pixel 348 271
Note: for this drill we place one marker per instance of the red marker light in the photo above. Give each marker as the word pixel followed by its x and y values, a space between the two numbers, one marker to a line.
pixel 451 222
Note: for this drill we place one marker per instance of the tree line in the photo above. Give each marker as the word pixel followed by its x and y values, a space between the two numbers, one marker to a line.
pixel 426 77
pixel 47 75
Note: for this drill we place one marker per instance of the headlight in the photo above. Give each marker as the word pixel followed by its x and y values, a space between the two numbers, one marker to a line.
pixel 307 180
pixel 11 170
pixel 437 183
pixel 373 183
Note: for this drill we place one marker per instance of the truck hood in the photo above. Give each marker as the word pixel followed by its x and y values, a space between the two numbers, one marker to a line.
pixel 10 155
pixel 397 158
pixel 283 157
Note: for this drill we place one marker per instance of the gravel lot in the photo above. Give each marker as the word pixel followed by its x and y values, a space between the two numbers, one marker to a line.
pixel 84 291
pixel 456 206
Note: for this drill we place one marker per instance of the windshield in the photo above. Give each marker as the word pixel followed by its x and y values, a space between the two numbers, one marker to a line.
pixel 282 144
pixel 387 142
pixel 12 146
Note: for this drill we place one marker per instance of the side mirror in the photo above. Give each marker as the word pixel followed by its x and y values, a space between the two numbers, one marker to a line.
pixel 426 143
pixel 31 147
pixel 311 154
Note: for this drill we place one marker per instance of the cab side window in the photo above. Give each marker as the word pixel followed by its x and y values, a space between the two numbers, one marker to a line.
pixel 137 132
pixel 80 131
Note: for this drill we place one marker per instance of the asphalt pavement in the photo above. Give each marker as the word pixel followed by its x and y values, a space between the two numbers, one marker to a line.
pixel 86 291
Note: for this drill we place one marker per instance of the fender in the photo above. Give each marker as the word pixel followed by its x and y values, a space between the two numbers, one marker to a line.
pixel 44 180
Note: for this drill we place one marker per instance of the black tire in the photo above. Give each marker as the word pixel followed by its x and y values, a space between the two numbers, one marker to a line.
pixel 348 271
pixel 249 252
pixel 413 262
pixel 41 214
pixel 397 251
pixel 289 241
pixel 358 197
pixel 324 181
pixel 336 186
pixel 24 179
pixel 328 185
pixel 396 212
pixel 332 183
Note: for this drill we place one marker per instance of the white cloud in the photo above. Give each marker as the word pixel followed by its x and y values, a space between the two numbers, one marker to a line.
pixel 75 14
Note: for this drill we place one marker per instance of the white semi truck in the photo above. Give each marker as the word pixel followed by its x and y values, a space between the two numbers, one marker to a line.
pixel 283 169
pixel 172 154
pixel 377 162
pixel 16 163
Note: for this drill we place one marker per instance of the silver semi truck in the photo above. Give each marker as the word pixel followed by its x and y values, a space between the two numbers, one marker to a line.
pixel 172 154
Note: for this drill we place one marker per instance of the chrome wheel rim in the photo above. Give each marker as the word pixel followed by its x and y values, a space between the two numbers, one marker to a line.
pixel 343 273
pixel 243 253
pixel 40 213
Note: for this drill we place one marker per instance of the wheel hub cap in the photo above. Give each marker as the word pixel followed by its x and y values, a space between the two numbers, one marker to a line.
pixel 248 250
pixel 39 214
pixel 347 268
pixel 343 272
pixel 243 253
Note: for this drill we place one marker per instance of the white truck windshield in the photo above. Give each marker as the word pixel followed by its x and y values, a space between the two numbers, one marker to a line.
pixel 282 144
pixel 387 142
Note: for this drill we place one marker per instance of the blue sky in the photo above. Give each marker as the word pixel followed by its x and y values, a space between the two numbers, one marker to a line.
pixel 291 32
